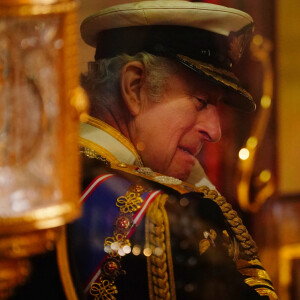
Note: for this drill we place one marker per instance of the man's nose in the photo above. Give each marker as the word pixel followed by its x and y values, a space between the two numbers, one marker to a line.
pixel 209 123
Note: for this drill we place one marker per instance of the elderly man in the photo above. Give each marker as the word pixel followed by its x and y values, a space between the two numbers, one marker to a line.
pixel 152 225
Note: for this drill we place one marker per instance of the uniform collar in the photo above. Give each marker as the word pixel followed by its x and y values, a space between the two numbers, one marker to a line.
pixel 98 134
pixel 101 134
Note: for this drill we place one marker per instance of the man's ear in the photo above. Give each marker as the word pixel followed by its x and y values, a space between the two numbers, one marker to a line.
pixel 132 80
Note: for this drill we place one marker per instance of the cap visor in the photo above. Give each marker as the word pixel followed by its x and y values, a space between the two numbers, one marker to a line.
pixel 237 96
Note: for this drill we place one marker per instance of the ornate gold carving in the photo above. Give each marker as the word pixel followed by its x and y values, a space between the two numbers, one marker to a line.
pixel 24 245
pixel 48 217
pixel 33 9
pixel 159 264
pixel 12 273
pixel 30 2
pixel 264 185
pixel 31 232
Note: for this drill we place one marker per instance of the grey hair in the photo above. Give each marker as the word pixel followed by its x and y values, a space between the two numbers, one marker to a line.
pixel 102 81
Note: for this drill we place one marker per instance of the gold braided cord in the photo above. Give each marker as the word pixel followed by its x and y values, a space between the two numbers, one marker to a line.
pixel 238 228
pixel 159 266
pixel 168 244
pixel 267 292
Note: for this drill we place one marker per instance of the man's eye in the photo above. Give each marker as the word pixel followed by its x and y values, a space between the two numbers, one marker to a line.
pixel 201 103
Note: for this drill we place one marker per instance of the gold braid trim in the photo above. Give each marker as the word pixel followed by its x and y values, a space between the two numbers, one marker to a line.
pixel 159 264
pixel 236 224
pixel 267 292
pixel 92 150
pixel 216 73
pixel 241 263
pixel 116 134
pixel 253 281
pixel 257 273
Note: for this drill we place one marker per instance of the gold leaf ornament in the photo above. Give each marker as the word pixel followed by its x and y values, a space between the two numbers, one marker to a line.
pixel 209 238
pixel 129 203
pixel 104 290
pixel 203 246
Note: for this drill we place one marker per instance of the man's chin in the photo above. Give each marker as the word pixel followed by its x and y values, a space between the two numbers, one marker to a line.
pixel 184 177
pixel 180 174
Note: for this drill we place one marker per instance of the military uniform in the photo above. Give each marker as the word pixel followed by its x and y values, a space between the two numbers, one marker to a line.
pixel 144 235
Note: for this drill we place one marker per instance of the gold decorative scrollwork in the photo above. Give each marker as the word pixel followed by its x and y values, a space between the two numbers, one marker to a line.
pixel 264 184
pixel 129 203
pixel 104 290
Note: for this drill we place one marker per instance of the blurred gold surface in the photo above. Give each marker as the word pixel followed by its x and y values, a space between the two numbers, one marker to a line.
pixel 35 7
pixel 288 78
pixel 35 229
pixel 263 185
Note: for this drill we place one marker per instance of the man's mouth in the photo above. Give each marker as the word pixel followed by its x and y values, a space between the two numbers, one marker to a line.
pixel 187 150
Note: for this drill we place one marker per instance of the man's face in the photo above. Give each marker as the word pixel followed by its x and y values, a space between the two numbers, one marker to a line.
pixel 169 134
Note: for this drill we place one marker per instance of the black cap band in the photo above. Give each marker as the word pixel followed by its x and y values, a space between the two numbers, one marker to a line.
pixel 167 41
